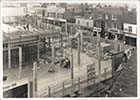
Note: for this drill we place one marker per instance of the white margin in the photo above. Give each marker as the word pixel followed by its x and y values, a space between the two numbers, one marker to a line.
pixel 137 2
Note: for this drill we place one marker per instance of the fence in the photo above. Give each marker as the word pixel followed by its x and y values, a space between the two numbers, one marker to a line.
pixel 69 88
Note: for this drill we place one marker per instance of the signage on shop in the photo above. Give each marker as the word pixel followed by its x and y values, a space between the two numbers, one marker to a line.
pixel 113 30
pixel 97 29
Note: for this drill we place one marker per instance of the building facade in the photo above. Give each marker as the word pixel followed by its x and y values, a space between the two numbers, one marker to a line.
pixel 84 22
pixel 13 14
pixel 130 32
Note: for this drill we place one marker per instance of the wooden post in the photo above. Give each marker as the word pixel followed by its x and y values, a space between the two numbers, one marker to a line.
pixel 49 91
pixel 105 73
pixel 20 61
pixel 72 86
pixel 79 84
pixel 63 85
pixel 35 79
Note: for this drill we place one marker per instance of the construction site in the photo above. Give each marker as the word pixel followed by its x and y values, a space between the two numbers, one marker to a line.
pixel 65 60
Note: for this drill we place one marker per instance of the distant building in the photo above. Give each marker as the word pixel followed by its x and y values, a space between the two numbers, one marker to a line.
pixel 130 31
pixel 54 16
pixel 13 14
pixel 51 15
pixel 112 19
pixel 85 22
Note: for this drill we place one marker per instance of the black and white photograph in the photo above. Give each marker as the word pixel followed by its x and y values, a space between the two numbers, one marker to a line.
pixel 69 49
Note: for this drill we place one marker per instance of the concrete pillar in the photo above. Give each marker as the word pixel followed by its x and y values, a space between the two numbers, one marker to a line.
pixel 9 55
pixel 72 69
pixel 20 61
pixel 49 43
pixel 99 56
pixel 66 27
pixel 81 35
pixel 35 79
pixel 51 69
pixel 78 49
pixel 38 50
pixel 116 44
pixel 61 41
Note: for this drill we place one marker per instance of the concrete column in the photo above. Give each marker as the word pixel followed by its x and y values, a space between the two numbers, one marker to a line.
pixel 49 43
pixel 72 69
pixel 38 50
pixel 66 27
pixel 99 59
pixel 61 41
pixel 78 49
pixel 9 55
pixel 20 61
pixel 81 35
pixel 35 79
pixel 51 69
pixel 116 44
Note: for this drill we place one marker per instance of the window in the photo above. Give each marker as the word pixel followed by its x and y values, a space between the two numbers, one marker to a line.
pixel 114 17
pixel 106 16
pixel 114 25
pixel 130 29
pixel 78 22
pixel 87 23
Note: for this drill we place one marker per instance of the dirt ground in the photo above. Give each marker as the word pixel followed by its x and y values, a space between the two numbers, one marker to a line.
pixel 126 84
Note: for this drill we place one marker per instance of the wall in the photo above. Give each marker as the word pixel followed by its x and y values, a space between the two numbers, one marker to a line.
pixel 83 22
pixel 126 28
pixel 13 11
